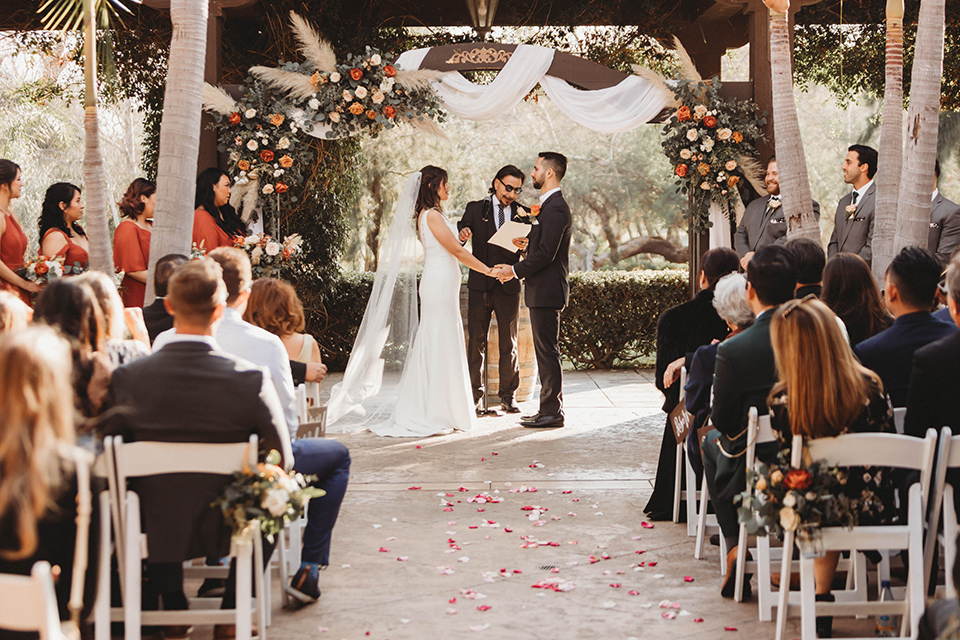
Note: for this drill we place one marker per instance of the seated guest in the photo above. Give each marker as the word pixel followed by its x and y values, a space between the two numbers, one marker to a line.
pixel 131 240
pixel 155 315
pixel 61 235
pixel 851 292
pixel 910 285
pixel 71 307
pixel 191 391
pixel 116 321
pixel 680 330
pixel 38 486
pixel 810 259
pixel 822 392
pixel 327 459
pixel 730 301
pixel 15 314
pixel 743 377
pixel 215 222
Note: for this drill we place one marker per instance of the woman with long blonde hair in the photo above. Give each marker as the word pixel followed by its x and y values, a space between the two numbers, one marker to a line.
pixel 822 392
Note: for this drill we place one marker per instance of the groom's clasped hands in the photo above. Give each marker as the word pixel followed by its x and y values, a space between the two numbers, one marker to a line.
pixel 502 272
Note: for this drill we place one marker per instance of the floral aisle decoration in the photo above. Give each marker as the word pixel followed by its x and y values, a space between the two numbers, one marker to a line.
pixel 267 256
pixel 266 494
pixel 711 142
pixel 782 498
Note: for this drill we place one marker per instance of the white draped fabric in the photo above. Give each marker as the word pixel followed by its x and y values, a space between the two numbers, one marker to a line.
pixel 720 231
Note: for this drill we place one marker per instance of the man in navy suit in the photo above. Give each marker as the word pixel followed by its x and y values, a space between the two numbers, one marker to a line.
pixel 545 269
pixel 910 285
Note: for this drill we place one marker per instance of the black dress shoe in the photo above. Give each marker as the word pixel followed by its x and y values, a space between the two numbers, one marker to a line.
pixel 508 407
pixel 543 422
pixel 532 416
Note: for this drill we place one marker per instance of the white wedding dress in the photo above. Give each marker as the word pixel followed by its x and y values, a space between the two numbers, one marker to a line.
pixel 434 394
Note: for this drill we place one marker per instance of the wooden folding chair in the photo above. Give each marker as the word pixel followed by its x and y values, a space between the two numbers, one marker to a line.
pixel 875 450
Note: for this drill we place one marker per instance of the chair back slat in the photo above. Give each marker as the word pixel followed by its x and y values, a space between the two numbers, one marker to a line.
pixel 952 459
pixel 874 449
pixel 138 459
pixel 29 603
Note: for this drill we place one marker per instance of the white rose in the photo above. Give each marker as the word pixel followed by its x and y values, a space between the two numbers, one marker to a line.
pixel 790 500
pixel 386 85
pixel 347 96
pixel 334 77
pixel 283 143
pixel 255 255
pixel 789 519
pixel 334 116
pixel 375 59
pixel 276 502
pixel 267 188
pixel 700 110
pixel 378 97
pixel 250 113
pixel 252 145
pixel 288 484
pixel 314 104
pixel 811 496
pixel 686 154
pixel 724 134
pixel 278 173
pixel 707 144
pixel 691 134
pixel 273 248
pixel 361 93
pixel 56 269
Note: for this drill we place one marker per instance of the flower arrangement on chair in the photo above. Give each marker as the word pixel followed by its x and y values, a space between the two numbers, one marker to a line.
pixel 266 494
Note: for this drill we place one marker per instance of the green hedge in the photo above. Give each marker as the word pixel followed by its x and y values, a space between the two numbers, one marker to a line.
pixel 611 321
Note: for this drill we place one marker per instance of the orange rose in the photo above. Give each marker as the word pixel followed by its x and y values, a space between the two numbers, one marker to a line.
pixel 798 479
pixel 234 118
pixel 737 137
pixel 390 111
pixel 238 241
pixel 243 165
pixel 371 114
pixel 276 119
pixel 535 210
pixel 281 187
pixel 389 71
pixel 356 74
pixel 710 121
pixel 266 155
pixel 703 169
pixel 683 114
pixel 356 108
pixel 315 78
pixel 41 268
pixel 681 170
pixel 732 181
pixel 286 162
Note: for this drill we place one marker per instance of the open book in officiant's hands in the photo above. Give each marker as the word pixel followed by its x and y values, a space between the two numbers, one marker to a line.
pixel 507 232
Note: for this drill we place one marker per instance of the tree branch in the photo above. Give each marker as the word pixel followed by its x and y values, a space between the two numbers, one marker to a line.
pixel 646 244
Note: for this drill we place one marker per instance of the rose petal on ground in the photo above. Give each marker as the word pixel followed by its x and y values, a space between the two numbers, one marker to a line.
pixel 483 607
pixel 729 628
pixel 572 514
pixel 575 500
pixel 688 578
pixel 669 615
pixel 480 627
pixel 413 488
pixel 322 629
pixel 450 523
pixel 616 585
pixel 391 538
pixel 452 600
pixel 483 459
pixel 651 564
pixel 404 620
pixel 658 576
pixel 567 491
pixel 507 530
pixel 402 558
pixel 344 566
pixel 639 551
pixel 494 453
pixel 448 508
pixel 635 538
pixel 633 592
pixel 608 572
pixel 451 612
pixel 605 556
pixel 463 559
pixel 384 550
pixel 377 526
pixel 555 570
pixel 698 619
pixel 646 525
pixel 664 604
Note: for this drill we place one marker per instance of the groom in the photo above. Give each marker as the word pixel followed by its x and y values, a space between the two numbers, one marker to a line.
pixel 547 291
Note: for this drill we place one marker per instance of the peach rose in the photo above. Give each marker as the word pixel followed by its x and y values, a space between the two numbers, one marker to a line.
pixel 737 137
pixel 703 169
pixel 243 165
pixel 371 114
pixel 281 187
pixel 276 119
pixel 356 108
pixel 286 162
pixel 683 114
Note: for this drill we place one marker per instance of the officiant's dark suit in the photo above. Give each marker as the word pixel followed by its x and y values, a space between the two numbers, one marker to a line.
pixel 545 270
pixel 762 225
pixel 489 295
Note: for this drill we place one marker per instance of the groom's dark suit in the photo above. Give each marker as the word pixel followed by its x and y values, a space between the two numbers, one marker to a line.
pixel 488 295
pixel 547 291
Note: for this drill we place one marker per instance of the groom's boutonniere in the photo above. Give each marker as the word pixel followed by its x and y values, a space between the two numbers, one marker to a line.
pixel 851 210
pixel 774 204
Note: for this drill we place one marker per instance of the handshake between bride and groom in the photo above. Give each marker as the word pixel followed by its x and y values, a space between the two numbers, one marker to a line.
pixel 542 262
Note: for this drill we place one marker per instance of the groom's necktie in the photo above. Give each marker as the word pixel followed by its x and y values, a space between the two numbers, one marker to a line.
pixel 853 200
pixel 499 215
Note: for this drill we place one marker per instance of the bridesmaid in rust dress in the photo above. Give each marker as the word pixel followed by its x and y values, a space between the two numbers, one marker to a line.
pixel 60 231
pixel 215 222
pixel 131 240
pixel 13 241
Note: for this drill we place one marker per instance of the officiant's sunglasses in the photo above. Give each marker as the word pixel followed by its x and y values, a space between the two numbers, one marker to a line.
pixel 510 188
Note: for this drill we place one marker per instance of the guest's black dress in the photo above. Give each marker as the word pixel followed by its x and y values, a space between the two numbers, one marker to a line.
pixel 681 330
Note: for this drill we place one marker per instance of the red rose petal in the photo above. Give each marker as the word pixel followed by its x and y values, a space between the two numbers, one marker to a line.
pixel 615 585
pixel 419 446
pixel 729 628
pixel 483 459
pixel 651 564
pixel 688 578
pixel 507 530
pixel 641 551
pixel 448 508
pixel 494 453
pixel 413 488
pixel 567 491
pixel 452 600
pixel 517 571
pixel 483 607
pixel 646 525
pixel 384 550
pixel 633 593
pixel 698 619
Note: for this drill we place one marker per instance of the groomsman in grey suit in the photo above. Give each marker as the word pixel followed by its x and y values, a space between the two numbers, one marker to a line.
pixel 944 235
pixel 853 225
pixel 763 222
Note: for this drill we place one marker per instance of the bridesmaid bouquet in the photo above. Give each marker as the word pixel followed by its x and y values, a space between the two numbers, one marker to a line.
pixel 266 494
pixel 267 256
pixel 43 270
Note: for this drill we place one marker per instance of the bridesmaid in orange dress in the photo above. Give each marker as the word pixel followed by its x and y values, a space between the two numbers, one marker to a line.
pixel 60 231
pixel 13 241
pixel 131 240
pixel 215 222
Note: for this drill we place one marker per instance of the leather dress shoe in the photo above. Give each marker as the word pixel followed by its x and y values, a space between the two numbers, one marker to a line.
pixel 508 407
pixel 543 422
pixel 532 416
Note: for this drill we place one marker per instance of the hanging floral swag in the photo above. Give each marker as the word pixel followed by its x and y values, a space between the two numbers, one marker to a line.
pixel 711 143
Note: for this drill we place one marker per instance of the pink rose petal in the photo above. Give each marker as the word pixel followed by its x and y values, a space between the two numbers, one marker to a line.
pixel 633 592
pixel 688 578
pixel 413 488
pixel 402 558
pixel 616 585
pixel 641 551
pixel 729 628
pixel 384 550
pixel 698 619
pixel 507 530
pixel 646 525
pixel 483 607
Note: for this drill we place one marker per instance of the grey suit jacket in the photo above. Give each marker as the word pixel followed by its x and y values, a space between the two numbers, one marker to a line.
pixel 854 233
pixel 944 235
pixel 760 226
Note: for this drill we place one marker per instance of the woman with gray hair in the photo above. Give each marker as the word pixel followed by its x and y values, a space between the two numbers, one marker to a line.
pixel 730 301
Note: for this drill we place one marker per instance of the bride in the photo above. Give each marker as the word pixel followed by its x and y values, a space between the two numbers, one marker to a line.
pixel 433 393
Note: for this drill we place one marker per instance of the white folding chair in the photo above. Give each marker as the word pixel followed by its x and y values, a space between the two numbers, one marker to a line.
pixel 29 603
pixel 760 431
pixel 899 416
pixel 875 450
pixel 311 414
pixel 948 457
pixel 680 494
pixel 139 459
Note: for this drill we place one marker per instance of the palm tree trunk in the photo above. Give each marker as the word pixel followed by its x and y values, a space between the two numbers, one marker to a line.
pixel 179 134
pixel 101 255
pixel 890 162
pixel 791 161
pixel 923 117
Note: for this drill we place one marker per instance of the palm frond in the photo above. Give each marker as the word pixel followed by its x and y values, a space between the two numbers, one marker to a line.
pixel 67 15
pixel 753 171
pixel 297 85
pixel 688 70
pixel 315 49
pixel 417 79
pixel 658 83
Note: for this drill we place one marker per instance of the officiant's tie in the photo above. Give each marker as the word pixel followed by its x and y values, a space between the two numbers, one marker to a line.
pixel 499 215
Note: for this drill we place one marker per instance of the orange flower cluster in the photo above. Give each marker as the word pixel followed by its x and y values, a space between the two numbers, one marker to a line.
pixel 266 155
pixel 356 74
pixel 798 479
pixel 276 119
pixel 356 108
pixel 683 114
pixel 703 169
pixel 709 121
pixel 681 170
pixel 286 162
pixel 234 118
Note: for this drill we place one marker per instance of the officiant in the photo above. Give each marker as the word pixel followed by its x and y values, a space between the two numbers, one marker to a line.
pixel 481 219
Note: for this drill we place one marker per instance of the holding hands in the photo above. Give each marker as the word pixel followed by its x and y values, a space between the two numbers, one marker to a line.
pixel 464 234
pixel 501 272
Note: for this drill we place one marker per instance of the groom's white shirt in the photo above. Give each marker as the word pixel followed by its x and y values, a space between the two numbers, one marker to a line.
pixel 543 198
